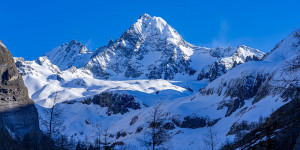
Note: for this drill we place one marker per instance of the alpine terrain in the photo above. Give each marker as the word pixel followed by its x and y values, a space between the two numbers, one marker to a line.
pixel 151 89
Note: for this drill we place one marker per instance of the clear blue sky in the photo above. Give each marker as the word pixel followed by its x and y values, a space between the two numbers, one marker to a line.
pixel 31 28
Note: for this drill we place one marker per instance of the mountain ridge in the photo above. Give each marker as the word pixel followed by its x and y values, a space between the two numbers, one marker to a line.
pixel 149 49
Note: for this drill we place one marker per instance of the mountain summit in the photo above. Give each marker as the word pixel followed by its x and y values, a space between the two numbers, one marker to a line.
pixel 151 28
pixel 152 49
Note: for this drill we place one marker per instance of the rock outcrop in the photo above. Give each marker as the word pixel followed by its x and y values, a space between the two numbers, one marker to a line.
pixel 116 103
pixel 282 128
pixel 18 115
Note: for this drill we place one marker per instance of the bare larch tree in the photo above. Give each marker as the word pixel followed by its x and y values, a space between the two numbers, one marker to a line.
pixel 210 139
pixel 155 135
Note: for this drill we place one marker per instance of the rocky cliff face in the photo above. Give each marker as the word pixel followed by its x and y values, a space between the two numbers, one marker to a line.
pixel 18 114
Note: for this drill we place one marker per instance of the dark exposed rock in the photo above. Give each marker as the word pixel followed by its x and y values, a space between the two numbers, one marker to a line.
pixel 55 77
pixel 287 92
pixel 118 143
pixel 133 120
pixel 96 70
pixel 19 126
pixel 169 126
pixel 76 82
pixel 121 134
pixel 212 72
pixel 87 122
pixel 111 136
pixel 131 72
pixel 238 90
pixel 139 129
pixel 114 102
pixel 192 72
pixel 279 132
pixel 245 87
pixel 243 126
pixel 71 102
pixel 233 105
pixel 192 122
pixel 190 89
pixel 17 110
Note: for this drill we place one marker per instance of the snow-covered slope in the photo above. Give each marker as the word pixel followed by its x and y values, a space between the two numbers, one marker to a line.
pixel 151 63
pixel 286 48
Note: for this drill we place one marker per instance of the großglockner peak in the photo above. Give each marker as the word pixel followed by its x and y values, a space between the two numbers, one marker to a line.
pixel 152 28
pixel 152 49
pixel 149 49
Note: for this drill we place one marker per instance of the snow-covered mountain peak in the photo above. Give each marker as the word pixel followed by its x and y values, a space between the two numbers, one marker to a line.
pixel 149 47
pixel 146 20
pixel 244 52
pixel 145 15
pixel 67 55
pixel 288 47
pixel 154 28
pixel 228 58
pixel 239 51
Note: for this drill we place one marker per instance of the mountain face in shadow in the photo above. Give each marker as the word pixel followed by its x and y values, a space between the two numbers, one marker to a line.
pixel 19 126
